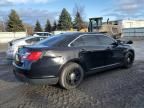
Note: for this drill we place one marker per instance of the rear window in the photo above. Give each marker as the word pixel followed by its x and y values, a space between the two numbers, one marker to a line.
pixel 34 40
pixel 53 40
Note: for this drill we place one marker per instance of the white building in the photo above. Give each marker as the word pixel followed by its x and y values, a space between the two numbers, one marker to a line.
pixel 133 29
pixel 132 23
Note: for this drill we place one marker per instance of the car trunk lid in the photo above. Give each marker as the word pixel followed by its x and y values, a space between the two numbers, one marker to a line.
pixel 29 53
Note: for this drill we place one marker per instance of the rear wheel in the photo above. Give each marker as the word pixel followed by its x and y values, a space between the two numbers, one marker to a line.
pixel 71 76
pixel 128 60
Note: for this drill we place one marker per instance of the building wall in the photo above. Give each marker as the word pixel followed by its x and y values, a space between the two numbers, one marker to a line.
pixel 5 37
pixel 133 32
pixel 133 29
pixel 132 23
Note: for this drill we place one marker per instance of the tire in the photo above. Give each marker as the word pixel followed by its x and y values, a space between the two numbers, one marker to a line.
pixel 71 76
pixel 128 60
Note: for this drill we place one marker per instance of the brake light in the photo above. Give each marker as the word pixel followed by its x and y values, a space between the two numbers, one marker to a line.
pixel 34 56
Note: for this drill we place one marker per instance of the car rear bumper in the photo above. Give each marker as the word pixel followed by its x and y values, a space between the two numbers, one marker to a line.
pixel 9 55
pixel 19 74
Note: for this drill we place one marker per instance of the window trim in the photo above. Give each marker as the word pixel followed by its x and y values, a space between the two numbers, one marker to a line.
pixel 69 45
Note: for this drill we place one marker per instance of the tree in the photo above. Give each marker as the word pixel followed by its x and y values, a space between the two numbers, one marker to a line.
pixel 64 22
pixel 78 22
pixel 1 27
pixel 38 27
pixel 14 23
pixel 28 28
pixel 48 27
pixel 54 26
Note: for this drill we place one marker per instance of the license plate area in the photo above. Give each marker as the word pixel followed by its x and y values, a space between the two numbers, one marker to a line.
pixel 19 57
pixel 18 60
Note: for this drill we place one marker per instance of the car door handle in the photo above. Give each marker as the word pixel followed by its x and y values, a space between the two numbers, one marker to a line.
pixel 84 51
pixel 108 48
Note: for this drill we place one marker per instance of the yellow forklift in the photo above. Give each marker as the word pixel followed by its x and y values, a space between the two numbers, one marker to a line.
pixel 110 28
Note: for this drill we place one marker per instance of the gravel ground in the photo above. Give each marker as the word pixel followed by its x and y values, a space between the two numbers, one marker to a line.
pixel 118 88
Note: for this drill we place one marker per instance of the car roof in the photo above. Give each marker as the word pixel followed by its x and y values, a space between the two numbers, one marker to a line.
pixel 80 33
pixel 91 33
pixel 67 38
pixel 41 32
pixel 74 35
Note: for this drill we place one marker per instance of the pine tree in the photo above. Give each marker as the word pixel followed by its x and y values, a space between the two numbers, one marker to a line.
pixel 14 23
pixel 48 27
pixel 54 26
pixel 64 22
pixel 38 27
pixel 78 22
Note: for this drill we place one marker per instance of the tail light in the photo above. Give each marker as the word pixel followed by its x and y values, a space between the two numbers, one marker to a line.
pixel 33 56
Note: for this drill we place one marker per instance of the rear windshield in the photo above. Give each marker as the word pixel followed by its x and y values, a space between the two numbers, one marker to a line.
pixel 21 38
pixel 53 40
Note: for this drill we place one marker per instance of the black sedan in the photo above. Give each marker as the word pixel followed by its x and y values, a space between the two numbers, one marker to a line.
pixel 67 58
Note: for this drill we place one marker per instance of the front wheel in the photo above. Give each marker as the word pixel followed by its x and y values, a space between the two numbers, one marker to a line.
pixel 71 76
pixel 128 60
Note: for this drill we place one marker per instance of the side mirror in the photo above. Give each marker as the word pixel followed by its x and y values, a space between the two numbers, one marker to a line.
pixel 129 42
pixel 119 41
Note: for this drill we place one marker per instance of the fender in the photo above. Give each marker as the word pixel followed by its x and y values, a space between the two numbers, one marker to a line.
pixel 75 60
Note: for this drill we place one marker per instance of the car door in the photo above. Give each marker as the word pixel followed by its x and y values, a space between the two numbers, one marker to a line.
pixel 114 51
pixel 91 52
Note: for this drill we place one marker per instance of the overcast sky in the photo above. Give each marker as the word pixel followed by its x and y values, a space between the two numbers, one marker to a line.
pixel 31 10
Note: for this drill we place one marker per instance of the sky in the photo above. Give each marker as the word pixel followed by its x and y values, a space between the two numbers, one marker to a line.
pixel 32 10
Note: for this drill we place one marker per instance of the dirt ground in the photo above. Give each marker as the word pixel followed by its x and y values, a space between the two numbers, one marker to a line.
pixel 118 88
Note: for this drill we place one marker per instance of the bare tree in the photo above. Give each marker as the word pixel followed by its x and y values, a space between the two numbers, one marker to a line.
pixel 1 26
pixel 79 9
pixel 28 28
pixel 78 22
